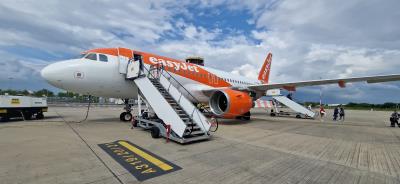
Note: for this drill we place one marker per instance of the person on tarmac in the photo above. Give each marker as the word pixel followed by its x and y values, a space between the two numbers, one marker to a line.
pixel 341 113
pixel 322 112
pixel 335 113
pixel 394 119
pixel 290 96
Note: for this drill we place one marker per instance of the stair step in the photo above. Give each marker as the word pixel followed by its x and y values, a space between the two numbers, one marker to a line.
pixel 197 132
pixel 188 129
pixel 196 138
pixel 190 123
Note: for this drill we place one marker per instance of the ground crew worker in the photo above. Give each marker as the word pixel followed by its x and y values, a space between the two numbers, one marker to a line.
pixel 335 113
pixel 322 112
pixel 341 113
pixel 290 96
pixel 394 119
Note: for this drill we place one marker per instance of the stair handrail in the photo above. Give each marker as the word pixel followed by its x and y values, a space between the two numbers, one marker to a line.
pixel 160 67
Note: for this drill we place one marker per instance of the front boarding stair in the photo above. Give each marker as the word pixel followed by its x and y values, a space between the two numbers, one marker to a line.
pixel 173 110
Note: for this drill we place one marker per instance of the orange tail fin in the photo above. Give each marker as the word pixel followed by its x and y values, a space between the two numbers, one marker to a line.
pixel 263 76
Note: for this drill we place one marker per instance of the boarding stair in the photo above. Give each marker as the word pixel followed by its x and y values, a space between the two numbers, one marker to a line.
pixel 294 106
pixel 159 89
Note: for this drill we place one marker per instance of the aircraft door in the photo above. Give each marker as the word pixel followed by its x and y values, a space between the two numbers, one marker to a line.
pixel 123 64
pixel 215 79
pixel 134 67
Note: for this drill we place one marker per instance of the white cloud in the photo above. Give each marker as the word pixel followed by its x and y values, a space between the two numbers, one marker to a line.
pixel 309 39
pixel 246 70
pixel 55 25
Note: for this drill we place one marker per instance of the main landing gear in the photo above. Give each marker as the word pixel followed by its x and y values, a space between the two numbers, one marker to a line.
pixel 127 115
pixel 245 116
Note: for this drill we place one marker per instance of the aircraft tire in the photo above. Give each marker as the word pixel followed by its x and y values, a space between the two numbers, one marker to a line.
pixel 39 115
pixel 5 118
pixel 127 116
pixel 247 116
pixel 27 115
pixel 155 132
pixel 121 116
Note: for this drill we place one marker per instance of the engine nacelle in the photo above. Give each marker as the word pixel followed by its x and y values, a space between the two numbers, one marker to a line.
pixel 230 103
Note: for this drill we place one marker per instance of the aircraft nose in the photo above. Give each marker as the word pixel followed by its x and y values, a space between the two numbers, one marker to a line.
pixel 49 73
pixel 55 73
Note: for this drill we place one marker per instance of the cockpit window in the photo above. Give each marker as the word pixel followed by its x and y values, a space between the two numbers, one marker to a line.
pixel 82 55
pixel 103 58
pixel 91 56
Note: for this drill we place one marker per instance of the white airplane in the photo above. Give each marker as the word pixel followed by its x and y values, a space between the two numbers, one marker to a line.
pixel 102 72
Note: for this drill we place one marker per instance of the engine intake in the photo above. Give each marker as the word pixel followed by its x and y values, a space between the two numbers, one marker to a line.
pixel 230 103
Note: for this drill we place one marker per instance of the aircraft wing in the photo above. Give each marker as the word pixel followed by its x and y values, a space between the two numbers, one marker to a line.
pixel 291 86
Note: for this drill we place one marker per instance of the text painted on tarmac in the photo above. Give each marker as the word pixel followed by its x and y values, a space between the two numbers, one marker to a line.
pixel 141 163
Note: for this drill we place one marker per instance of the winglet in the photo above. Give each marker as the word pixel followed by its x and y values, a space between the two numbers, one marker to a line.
pixel 263 75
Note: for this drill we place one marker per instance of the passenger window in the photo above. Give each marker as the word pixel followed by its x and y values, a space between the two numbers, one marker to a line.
pixel 103 58
pixel 91 56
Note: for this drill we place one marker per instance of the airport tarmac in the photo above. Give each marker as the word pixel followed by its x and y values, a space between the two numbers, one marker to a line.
pixel 362 149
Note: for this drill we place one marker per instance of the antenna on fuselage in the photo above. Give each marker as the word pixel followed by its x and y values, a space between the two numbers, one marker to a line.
pixel 195 60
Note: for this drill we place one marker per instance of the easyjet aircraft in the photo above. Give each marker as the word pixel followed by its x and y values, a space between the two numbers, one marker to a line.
pixel 101 72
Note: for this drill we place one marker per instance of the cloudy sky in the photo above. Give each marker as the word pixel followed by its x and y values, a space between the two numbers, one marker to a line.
pixel 309 39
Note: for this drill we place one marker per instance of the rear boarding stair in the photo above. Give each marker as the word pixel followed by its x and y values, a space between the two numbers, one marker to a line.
pixel 299 110
pixel 169 113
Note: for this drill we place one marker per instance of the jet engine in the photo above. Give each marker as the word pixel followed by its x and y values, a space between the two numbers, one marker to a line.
pixel 230 103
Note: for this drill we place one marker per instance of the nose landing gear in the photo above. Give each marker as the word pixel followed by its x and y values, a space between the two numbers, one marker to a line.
pixel 126 116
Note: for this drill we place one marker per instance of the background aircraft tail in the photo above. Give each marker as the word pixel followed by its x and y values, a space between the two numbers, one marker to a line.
pixel 263 75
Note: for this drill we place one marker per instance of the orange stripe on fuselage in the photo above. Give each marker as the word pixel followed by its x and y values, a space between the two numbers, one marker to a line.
pixel 187 70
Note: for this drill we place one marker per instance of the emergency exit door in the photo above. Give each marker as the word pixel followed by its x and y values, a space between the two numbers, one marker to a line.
pixel 213 79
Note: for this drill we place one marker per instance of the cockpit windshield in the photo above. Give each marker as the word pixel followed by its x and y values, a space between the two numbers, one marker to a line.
pixel 82 55
pixel 94 57
pixel 91 56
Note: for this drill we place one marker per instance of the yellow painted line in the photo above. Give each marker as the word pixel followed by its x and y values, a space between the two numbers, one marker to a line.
pixel 146 156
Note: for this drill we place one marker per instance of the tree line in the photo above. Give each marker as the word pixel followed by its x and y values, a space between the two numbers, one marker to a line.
pixel 39 93
pixel 48 93
pixel 362 106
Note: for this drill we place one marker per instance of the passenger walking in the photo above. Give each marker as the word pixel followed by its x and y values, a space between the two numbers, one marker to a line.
pixel 335 113
pixel 322 113
pixel 341 113
pixel 394 119
pixel 290 96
